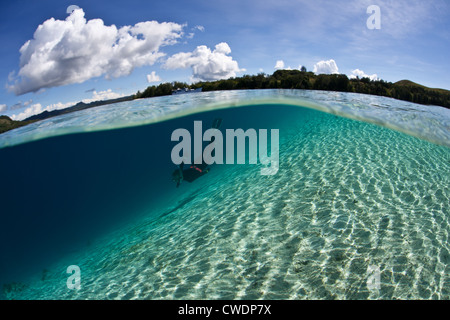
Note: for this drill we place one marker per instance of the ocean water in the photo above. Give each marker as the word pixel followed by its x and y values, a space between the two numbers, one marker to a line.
pixel 359 208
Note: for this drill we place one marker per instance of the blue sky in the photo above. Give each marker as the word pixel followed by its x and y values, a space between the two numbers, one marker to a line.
pixel 51 59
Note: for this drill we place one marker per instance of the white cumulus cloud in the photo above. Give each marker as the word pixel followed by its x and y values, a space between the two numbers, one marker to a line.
pixel 153 77
pixel 361 74
pixel 28 112
pixel 38 108
pixel 279 65
pixel 206 64
pixel 326 67
pixel 74 50
pixel 103 95
pixel 3 107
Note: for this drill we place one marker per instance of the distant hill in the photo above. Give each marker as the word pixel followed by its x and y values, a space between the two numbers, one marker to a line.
pixel 6 123
pixel 281 79
pixel 414 92
pixel 79 106
pixel 410 84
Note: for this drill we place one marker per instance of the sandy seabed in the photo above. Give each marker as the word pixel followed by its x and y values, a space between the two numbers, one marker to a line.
pixel 348 195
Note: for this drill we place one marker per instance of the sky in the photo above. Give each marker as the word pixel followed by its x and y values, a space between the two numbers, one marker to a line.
pixel 56 53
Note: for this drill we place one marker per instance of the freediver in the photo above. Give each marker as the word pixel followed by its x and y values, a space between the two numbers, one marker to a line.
pixel 194 171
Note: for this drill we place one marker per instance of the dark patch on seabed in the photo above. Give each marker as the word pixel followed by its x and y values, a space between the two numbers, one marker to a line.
pixel 181 204
pixel 59 194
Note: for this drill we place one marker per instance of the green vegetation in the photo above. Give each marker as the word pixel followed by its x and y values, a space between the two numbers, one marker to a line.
pixel 164 89
pixel 296 79
pixel 280 79
pixel 7 124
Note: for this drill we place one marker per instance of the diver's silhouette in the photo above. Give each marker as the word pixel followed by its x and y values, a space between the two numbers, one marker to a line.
pixel 194 171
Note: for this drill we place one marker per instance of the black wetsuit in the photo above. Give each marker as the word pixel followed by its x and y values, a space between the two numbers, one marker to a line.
pixel 190 174
pixel 194 171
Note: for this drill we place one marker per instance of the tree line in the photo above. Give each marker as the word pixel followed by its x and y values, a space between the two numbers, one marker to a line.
pixel 302 79
pixel 280 79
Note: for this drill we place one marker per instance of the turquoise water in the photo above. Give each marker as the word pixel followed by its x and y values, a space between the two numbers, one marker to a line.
pixel 94 189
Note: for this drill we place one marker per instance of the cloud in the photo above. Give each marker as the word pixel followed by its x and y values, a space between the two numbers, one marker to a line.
pixel 409 17
pixel 37 107
pixel 30 111
pixel 361 74
pixel 326 67
pixel 201 28
pixel 103 95
pixel 20 105
pixel 192 34
pixel 279 65
pixel 153 77
pixel 74 50
pixel 206 65
pixel 16 106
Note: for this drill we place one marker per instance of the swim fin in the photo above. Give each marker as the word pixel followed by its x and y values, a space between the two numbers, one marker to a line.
pixel 216 123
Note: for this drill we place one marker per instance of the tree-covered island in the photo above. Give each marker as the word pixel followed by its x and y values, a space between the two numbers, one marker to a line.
pixel 281 79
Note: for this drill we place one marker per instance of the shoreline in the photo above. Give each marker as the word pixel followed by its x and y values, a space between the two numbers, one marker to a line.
pixel 403 90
